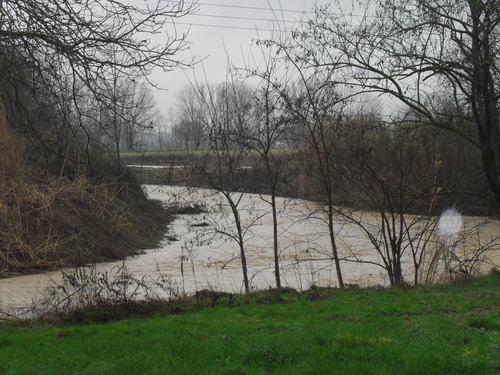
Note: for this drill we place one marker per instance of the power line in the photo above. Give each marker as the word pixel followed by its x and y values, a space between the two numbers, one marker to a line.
pixel 230 27
pixel 279 9
pixel 255 28
pixel 243 27
pixel 249 7
pixel 247 18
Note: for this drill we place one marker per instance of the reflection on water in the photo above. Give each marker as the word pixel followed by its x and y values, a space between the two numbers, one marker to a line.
pixel 200 254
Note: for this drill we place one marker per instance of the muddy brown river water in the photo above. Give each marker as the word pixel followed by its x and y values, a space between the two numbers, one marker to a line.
pixel 200 254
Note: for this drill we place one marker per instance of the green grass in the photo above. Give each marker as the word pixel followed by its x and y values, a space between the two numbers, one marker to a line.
pixel 440 330
pixel 146 154
pixel 126 155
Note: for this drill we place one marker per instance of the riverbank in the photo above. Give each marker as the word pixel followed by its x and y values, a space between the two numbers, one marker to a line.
pixel 447 329
pixel 194 256
pixel 52 223
pixel 185 168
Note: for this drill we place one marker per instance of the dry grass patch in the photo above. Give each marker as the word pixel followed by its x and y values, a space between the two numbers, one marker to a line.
pixel 56 222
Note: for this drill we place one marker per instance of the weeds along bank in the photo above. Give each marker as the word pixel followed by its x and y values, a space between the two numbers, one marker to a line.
pixel 48 222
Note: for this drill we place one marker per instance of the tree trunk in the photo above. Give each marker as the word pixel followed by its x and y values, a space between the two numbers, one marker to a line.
pixel 334 245
pixel 275 239
pixel 117 149
pixel 484 100
pixel 241 244
pixel 8 153
pixel 327 172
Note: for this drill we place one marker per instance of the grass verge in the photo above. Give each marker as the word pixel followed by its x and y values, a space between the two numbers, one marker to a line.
pixel 439 330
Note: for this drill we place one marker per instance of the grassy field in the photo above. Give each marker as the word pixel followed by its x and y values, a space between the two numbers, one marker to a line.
pixel 438 330
pixel 126 155
pixel 146 154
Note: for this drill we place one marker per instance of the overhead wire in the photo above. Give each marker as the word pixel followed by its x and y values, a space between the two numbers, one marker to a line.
pixel 248 7
pixel 244 7
pixel 228 27
pixel 254 28
pixel 277 9
pixel 246 18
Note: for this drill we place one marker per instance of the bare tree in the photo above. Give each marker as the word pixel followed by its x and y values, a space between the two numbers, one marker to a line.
pixel 130 113
pixel 224 115
pixel 416 51
pixel 314 103
pixel 268 138
pixel 189 129
pixel 388 173
pixel 274 161
pixel 83 42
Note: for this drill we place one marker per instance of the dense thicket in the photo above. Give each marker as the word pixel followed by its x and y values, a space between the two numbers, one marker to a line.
pixel 71 98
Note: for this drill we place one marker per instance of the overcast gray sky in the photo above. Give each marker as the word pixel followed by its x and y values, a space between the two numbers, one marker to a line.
pixel 222 28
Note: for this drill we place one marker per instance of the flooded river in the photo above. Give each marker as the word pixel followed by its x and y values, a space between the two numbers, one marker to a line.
pixel 199 252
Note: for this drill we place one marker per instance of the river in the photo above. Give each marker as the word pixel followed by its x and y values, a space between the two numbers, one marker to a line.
pixel 199 253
